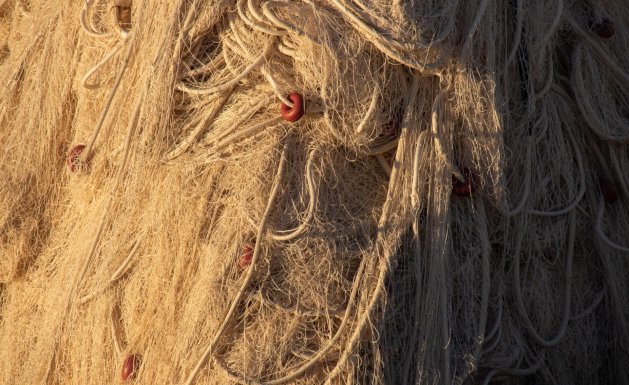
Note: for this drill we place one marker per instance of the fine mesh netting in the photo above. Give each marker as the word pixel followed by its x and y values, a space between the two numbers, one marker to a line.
pixel 314 192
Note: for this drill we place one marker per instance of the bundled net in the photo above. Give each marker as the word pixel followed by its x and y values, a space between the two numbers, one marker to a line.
pixel 274 192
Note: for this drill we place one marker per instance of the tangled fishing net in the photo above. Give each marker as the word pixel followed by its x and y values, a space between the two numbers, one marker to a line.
pixel 314 191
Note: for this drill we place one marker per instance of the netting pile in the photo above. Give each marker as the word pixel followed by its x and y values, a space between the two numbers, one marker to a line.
pixel 441 198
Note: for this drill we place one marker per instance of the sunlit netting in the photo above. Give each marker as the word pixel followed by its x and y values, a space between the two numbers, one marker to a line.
pixel 314 192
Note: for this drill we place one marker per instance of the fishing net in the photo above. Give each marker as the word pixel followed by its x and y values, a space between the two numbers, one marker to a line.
pixel 336 192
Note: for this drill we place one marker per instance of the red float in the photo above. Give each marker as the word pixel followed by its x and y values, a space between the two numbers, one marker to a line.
pixel 609 190
pixel 245 257
pixel 295 113
pixel 130 367
pixel 466 187
pixel 605 29
pixel 73 156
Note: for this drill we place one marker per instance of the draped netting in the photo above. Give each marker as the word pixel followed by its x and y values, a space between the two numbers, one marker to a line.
pixel 336 192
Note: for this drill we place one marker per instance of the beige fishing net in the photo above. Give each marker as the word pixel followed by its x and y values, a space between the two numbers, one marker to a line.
pixel 314 192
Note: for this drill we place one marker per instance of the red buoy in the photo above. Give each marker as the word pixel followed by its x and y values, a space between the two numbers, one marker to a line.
pixel 466 187
pixel 245 257
pixel 295 113
pixel 605 29
pixel 609 190
pixel 73 156
pixel 130 367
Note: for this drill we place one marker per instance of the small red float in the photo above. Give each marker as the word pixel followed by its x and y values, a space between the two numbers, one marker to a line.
pixel 605 29
pixel 73 156
pixel 245 257
pixel 295 113
pixel 130 367
pixel 609 190
pixel 466 187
